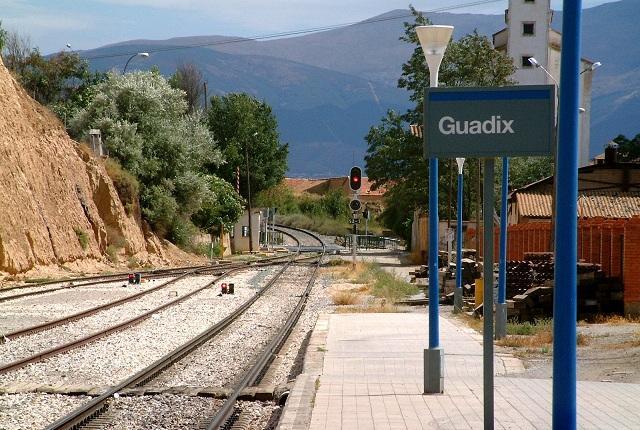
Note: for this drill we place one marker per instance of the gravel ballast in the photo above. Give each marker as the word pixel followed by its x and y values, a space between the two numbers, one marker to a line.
pixel 28 345
pixel 33 411
pixel 115 357
pixel 38 309
pixel 226 357
pixel 165 412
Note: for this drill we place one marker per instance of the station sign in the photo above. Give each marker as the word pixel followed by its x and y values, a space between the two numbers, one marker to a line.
pixel 489 122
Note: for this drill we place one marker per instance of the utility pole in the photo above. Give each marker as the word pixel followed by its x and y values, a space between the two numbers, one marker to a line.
pixel 204 84
pixel 246 153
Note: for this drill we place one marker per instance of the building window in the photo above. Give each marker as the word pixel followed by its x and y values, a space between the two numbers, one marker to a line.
pixel 525 62
pixel 528 28
pixel 245 231
pixel 529 1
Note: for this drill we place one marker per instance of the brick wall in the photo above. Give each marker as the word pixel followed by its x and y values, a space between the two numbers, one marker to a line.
pixel 613 243
pixel 631 274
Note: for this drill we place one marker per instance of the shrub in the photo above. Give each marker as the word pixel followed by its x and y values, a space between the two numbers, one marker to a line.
pixel 127 186
pixel 83 237
pixel 342 298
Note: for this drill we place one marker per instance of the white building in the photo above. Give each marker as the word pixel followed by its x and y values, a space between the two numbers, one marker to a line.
pixel 529 34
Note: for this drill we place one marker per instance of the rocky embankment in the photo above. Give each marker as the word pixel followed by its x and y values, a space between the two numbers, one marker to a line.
pixel 57 203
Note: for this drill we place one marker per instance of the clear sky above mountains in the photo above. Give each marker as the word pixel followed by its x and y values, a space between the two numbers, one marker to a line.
pixel 92 23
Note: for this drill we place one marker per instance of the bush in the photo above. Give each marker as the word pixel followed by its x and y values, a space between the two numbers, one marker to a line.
pixel 83 237
pixel 127 186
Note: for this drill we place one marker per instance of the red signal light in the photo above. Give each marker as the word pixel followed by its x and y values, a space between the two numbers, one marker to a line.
pixel 355 178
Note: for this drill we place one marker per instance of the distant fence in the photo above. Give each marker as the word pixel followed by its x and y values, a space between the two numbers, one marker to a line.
pixel 371 242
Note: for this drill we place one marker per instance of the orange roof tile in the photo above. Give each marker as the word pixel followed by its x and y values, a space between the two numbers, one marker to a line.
pixel 591 204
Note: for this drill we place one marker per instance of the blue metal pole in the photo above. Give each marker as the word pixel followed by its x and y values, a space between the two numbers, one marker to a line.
pixel 502 283
pixel 501 306
pixel 459 237
pixel 564 293
pixel 434 295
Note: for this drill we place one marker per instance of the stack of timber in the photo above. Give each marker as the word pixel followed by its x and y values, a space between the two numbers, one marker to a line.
pixel 530 289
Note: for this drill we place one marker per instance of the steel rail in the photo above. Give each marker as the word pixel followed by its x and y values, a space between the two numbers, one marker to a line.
pixel 86 313
pixel 225 413
pixel 17 364
pixel 94 408
pixel 108 278
pixel 114 278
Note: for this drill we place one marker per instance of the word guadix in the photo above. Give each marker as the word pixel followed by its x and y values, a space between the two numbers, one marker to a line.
pixel 494 125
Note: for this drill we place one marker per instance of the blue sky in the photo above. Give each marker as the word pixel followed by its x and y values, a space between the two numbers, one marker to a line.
pixel 92 23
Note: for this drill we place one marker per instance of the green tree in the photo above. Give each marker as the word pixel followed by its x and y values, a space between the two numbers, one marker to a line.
pixel 220 209
pixel 394 157
pixel 628 149
pixel 240 122
pixel 145 126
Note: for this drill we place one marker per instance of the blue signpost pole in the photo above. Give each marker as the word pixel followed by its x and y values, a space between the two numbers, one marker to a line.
pixel 501 307
pixel 434 328
pixel 458 292
pixel 564 293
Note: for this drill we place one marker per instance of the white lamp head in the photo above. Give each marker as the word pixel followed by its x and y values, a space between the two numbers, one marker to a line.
pixel 143 54
pixel 595 65
pixel 460 162
pixel 534 62
pixel 434 40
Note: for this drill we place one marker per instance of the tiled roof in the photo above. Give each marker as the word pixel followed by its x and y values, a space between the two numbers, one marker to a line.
pixel 320 186
pixel 591 204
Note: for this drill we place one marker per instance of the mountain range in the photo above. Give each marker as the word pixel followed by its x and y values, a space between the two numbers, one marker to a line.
pixel 328 88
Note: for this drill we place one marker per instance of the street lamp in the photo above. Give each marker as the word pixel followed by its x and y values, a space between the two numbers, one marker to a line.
pixel 457 293
pixel 139 54
pixel 434 40
pixel 537 65
pixel 592 67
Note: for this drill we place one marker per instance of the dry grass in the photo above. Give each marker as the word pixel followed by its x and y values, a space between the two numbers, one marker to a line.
pixel 583 339
pixel 376 307
pixel 470 320
pixel 632 343
pixel 537 340
pixel 615 319
pixel 345 297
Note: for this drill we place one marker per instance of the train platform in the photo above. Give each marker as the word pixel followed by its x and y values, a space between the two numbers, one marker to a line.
pixel 364 371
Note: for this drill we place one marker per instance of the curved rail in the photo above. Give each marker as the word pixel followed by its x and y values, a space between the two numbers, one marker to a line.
pixel 225 415
pixel 94 408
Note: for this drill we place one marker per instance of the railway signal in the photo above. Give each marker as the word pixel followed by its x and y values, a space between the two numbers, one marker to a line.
pixel 355 178
pixel 355 205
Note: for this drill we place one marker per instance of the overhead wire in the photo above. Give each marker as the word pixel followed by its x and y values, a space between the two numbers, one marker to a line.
pixel 299 32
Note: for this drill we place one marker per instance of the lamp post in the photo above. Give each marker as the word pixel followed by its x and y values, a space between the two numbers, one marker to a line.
pixel 566 227
pixel 434 40
pixel 457 293
pixel 592 67
pixel 537 65
pixel 501 306
pixel 139 54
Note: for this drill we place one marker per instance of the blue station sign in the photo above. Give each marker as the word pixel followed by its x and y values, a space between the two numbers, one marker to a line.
pixel 489 122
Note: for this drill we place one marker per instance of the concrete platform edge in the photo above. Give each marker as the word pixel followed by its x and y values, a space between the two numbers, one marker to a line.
pixel 296 414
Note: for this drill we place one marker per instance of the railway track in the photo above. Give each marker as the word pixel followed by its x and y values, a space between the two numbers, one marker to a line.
pixel 40 288
pixel 37 289
pixel 86 413
pixel 228 414
pixel 8 336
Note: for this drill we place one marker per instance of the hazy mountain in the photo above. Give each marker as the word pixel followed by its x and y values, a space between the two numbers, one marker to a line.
pixel 328 88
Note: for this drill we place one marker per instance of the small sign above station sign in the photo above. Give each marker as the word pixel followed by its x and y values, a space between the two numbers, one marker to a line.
pixel 513 121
